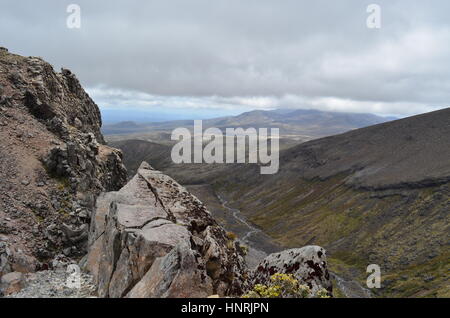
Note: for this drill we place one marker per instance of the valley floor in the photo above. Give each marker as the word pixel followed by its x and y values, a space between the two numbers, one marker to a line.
pixel 260 244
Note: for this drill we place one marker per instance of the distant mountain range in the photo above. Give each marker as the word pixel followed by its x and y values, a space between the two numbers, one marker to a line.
pixel 306 124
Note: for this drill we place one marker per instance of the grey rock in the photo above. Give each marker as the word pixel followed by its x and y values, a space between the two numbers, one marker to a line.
pixel 308 265
pixel 140 243
pixel 67 251
pixel 11 283
pixel 75 235
pixel 77 122
pixel 172 276
pixel 47 284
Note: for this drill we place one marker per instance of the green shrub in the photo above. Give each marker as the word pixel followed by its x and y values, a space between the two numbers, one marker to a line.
pixel 231 236
pixel 284 286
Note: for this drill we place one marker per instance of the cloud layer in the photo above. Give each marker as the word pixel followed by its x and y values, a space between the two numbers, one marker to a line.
pixel 245 54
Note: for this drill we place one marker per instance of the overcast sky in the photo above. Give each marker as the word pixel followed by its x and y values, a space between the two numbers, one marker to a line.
pixel 234 55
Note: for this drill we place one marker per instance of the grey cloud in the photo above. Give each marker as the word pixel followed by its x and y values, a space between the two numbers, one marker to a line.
pixel 318 51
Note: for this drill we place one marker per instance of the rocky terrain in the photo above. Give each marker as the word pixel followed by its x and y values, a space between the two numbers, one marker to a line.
pixel 307 264
pixel 154 239
pixel 65 200
pixel 53 284
pixel 53 164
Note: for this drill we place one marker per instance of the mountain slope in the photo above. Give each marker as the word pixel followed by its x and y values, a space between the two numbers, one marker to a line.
pixel 413 151
pixel 137 151
pixel 375 195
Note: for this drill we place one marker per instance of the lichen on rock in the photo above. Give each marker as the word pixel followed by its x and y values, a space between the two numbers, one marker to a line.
pixel 308 265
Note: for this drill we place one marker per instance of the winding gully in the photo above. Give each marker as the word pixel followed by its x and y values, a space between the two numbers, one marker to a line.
pixel 237 215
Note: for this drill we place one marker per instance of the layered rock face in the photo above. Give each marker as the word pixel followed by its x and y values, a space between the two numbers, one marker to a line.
pixel 154 239
pixel 308 265
pixel 53 164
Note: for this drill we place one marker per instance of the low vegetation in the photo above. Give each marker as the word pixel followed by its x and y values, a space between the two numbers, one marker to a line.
pixel 284 286
pixel 358 228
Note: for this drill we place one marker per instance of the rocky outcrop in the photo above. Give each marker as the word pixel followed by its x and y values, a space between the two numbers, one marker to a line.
pixel 53 163
pixel 154 239
pixel 49 96
pixel 308 265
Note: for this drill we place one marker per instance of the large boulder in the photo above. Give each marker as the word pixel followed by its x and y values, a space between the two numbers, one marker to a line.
pixel 308 265
pixel 173 276
pixel 154 239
